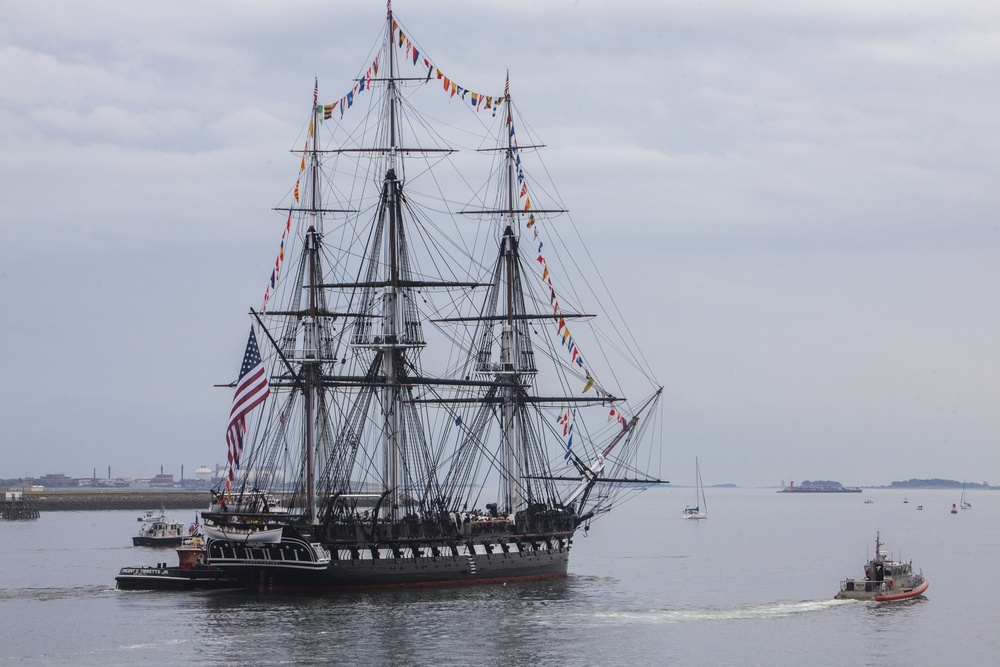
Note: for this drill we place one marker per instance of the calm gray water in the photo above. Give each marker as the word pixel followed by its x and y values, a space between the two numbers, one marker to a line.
pixel 751 585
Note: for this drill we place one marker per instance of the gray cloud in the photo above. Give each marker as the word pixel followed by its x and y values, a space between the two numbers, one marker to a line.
pixel 797 206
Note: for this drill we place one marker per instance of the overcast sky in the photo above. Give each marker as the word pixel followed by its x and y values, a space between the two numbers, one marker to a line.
pixel 798 202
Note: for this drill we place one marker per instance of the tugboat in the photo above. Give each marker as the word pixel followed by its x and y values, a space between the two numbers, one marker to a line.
pixel 885 580
pixel 191 573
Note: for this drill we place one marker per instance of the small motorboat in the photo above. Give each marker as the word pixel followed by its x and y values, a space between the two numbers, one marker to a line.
pixel 191 573
pixel 885 580
pixel 920 507
pixel 869 502
pixel 159 531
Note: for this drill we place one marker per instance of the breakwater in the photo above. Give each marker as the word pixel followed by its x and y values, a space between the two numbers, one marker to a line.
pixel 55 501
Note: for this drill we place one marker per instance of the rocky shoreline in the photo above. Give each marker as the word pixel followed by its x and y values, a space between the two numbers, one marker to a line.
pixel 56 501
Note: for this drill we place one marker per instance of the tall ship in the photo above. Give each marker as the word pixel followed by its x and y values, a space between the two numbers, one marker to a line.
pixel 433 391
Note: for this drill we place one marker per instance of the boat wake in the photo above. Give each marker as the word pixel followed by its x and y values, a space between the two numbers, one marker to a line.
pixel 47 594
pixel 748 612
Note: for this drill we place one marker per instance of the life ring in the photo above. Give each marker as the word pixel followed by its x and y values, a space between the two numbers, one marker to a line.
pixel 890 584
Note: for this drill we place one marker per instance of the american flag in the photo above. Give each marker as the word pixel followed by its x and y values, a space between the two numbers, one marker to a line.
pixel 251 390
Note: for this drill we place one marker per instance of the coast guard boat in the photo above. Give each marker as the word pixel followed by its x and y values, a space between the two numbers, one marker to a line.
pixel 885 580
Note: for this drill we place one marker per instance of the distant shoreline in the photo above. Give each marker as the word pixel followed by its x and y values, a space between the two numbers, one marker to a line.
pixel 71 501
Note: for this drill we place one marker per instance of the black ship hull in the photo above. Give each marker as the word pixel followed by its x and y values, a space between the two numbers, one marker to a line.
pixel 277 568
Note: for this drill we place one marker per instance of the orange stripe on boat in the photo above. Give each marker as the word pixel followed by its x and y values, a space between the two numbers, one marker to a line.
pixel 902 596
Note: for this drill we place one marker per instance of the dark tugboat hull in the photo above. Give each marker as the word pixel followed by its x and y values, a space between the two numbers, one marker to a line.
pixel 173 579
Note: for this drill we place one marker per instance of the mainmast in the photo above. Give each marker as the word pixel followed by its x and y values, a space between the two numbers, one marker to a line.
pixel 508 345
pixel 392 351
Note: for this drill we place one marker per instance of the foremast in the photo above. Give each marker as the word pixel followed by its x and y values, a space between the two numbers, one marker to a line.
pixel 514 374
pixel 312 358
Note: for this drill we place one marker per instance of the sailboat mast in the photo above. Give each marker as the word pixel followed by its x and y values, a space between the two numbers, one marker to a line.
pixel 699 497
pixel 508 347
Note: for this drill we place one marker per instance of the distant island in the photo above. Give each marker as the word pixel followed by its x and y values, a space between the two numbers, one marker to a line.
pixel 939 484
pixel 819 486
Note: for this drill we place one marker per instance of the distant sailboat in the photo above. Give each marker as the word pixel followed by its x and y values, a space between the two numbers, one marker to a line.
pixel 700 509
pixel 964 505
